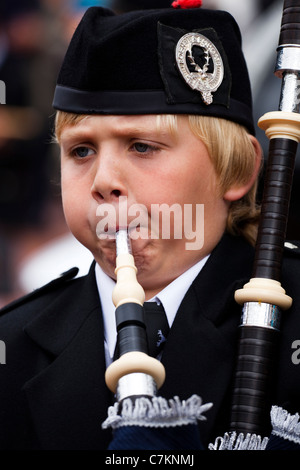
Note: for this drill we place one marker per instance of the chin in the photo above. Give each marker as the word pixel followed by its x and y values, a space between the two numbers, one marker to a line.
pixel 105 256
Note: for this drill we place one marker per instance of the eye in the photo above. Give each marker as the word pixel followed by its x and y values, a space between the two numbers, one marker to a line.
pixel 143 148
pixel 82 152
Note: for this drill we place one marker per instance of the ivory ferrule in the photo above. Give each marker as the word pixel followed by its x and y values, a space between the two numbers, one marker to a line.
pixel 264 291
pixel 133 362
pixel 281 125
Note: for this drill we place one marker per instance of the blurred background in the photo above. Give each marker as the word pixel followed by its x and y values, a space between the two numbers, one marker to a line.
pixel 35 243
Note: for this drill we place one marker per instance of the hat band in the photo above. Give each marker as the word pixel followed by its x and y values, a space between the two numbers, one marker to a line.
pixel 143 102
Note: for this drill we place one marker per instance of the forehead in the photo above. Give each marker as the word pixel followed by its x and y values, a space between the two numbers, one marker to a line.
pixel 124 124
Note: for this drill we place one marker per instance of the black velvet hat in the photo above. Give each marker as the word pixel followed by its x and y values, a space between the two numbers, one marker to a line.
pixel 156 61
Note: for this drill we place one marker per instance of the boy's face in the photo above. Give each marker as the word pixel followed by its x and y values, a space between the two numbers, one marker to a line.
pixel 119 171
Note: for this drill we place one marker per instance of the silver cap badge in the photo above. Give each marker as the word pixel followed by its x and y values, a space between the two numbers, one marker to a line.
pixel 201 80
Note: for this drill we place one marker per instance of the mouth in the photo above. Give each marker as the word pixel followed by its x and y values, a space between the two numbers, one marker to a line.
pixel 134 232
pixel 133 218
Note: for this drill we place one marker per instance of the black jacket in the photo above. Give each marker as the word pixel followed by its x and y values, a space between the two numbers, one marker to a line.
pixel 53 394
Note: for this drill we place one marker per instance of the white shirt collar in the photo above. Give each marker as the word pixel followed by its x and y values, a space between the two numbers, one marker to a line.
pixel 171 298
pixel 172 295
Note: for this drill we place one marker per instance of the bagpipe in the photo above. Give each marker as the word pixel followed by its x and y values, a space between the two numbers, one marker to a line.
pixel 141 419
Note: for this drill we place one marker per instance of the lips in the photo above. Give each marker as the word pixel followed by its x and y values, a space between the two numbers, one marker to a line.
pixel 113 217
pixel 135 231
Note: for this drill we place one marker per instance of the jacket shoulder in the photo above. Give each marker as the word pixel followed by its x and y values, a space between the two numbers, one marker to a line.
pixel 52 286
pixel 292 248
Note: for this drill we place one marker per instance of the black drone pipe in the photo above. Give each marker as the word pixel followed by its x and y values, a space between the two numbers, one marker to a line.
pixel 263 298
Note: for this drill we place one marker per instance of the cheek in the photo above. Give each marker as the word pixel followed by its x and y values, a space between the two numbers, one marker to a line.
pixel 198 186
pixel 73 193
pixel 193 179
pixel 70 211
pixel 66 192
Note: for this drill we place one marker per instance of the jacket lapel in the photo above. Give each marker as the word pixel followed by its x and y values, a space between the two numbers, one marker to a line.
pixel 68 399
pixel 199 355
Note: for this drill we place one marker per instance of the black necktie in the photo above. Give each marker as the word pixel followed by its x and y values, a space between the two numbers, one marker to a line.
pixel 157 327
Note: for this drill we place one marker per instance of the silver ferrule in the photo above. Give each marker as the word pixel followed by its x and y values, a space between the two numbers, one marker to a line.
pixel 288 59
pixel 136 384
pixel 261 314
pixel 123 244
pixel 288 69
pixel 290 93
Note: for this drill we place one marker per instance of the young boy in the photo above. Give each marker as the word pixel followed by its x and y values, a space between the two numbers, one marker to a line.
pixel 154 112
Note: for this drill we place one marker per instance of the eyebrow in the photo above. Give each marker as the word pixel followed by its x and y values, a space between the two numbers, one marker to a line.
pixel 75 133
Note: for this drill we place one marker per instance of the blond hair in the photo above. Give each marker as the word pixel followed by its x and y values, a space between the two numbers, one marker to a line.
pixel 232 154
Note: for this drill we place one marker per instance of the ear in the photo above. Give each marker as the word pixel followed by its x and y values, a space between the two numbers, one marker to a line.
pixel 237 192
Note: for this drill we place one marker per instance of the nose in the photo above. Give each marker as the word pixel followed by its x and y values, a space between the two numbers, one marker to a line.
pixel 109 182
